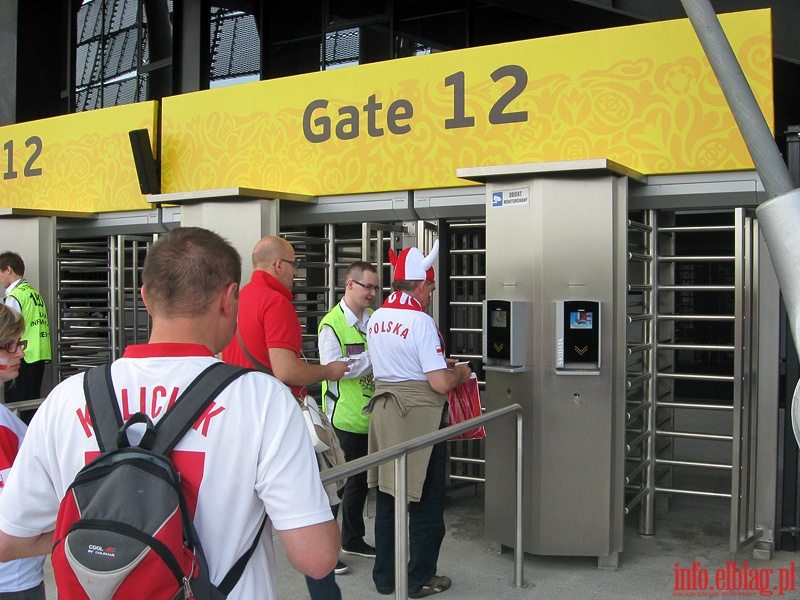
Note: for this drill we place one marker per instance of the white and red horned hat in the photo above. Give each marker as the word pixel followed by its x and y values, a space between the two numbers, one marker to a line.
pixel 413 265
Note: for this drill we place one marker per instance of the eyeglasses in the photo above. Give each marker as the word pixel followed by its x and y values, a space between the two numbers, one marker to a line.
pixel 366 286
pixel 12 347
pixel 294 263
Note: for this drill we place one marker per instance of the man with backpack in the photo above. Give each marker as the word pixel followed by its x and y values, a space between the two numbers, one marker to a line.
pixel 248 453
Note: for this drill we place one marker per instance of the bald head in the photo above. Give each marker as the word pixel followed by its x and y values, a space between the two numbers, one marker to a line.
pixel 270 250
pixel 275 256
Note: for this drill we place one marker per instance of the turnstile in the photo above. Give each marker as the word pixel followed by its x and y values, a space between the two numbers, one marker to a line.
pixel 100 309
pixel 692 393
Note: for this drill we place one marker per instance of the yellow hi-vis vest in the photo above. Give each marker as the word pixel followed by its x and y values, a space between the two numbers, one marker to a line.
pixel 37 327
pixel 353 393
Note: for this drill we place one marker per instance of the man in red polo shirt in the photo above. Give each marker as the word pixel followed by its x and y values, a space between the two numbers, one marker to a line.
pixel 268 324
pixel 271 333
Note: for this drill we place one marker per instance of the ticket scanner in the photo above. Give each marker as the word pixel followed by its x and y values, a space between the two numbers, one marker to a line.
pixel 504 326
pixel 577 337
pixel 554 343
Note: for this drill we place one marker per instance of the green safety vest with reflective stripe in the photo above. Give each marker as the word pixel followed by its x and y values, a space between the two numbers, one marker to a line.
pixel 353 393
pixel 37 327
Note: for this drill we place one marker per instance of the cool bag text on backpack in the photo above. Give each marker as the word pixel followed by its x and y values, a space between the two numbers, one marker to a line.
pixel 123 529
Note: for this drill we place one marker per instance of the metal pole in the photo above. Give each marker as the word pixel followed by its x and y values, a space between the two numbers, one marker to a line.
pixel 113 307
pixel 647 512
pixel 519 553
pixel 330 234
pixel 755 131
pixel 779 217
pixel 400 528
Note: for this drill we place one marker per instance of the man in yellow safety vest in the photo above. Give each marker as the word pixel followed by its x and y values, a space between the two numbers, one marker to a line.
pixel 23 298
pixel 343 335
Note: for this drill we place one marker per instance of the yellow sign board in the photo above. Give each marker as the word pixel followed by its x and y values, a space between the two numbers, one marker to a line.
pixel 75 163
pixel 643 96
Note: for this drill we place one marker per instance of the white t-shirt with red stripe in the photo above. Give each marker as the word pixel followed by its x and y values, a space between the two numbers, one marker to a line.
pixel 404 341
pixel 26 573
pixel 250 451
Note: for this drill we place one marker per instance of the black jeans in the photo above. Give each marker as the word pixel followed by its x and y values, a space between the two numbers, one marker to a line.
pixel 354 492
pixel 425 524
pixel 323 589
pixel 35 593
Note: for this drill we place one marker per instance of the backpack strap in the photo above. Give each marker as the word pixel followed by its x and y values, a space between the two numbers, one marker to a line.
pixel 233 576
pixel 191 404
pixel 260 366
pixel 98 388
pixel 257 364
pixel 99 391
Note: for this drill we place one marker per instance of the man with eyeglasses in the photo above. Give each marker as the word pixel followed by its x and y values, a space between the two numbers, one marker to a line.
pixel 22 297
pixel 269 332
pixel 343 335
pixel 268 326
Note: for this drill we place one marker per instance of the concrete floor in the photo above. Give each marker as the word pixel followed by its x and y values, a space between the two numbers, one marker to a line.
pixel 695 530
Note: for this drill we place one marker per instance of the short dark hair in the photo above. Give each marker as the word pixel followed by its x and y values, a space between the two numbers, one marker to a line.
pixel 13 260
pixel 186 268
pixel 357 268
pixel 405 285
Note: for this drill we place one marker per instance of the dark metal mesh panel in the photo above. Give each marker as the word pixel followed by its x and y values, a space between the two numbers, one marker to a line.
pixel 114 94
pixel 120 54
pixel 235 44
pixel 121 15
pixel 105 50
pixel 119 92
pixel 143 85
pixel 341 47
pixel 106 54
pixel 87 98
pixel 89 23
pixel 86 63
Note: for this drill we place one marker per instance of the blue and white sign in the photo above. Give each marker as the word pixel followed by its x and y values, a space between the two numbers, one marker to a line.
pixel 516 197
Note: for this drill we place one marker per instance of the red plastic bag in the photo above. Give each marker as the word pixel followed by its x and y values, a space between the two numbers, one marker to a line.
pixel 464 403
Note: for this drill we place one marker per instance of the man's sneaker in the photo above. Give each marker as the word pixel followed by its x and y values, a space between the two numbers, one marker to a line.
pixel 341 568
pixel 436 585
pixel 360 549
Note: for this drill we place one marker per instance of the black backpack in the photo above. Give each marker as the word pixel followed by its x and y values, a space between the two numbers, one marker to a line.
pixel 123 529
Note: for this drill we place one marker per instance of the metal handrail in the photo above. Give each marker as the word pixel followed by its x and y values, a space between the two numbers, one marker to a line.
pixel 399 454
pixel 16 407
